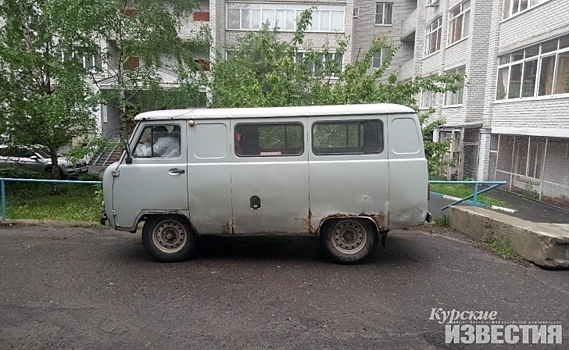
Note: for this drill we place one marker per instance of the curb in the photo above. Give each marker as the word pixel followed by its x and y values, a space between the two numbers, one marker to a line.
pixel 544 244
pixel 51 223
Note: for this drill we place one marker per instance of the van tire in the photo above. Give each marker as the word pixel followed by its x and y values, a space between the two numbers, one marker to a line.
pixel 348 241
pixel 168 238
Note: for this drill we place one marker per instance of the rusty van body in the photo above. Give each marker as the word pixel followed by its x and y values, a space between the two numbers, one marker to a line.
pixel 347 174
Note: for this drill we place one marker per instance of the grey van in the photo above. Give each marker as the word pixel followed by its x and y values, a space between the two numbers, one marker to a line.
pixel 346 174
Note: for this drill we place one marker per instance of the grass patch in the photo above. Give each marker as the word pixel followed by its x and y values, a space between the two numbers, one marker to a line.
pixel 500 246
pixel 462 191
pixel 442 221
pixel 77 202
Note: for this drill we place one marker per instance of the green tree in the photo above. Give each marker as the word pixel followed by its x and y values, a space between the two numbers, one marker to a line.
pixel 44 95
pixel 135 39
pixel 263 71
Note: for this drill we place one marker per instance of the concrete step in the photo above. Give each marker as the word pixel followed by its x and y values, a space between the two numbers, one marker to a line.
pixel 544 244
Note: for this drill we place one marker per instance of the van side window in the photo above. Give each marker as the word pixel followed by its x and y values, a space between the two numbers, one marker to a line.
pixel 268 140
pixel 347 137
pixel 158 141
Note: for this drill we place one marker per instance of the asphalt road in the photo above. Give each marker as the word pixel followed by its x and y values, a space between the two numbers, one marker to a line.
pixel 78 288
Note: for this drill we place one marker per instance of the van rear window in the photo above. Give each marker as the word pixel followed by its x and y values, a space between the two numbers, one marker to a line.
pixel 347 137
pixel 268 140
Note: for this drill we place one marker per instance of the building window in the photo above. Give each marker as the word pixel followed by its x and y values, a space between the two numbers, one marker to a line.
pixel 379 57
pixel 459 22
pixel 328 64
pixel 538 70
pixel 251 16
pixel 269 140
pixel 347 137
pixel 513 7
pixel 356 12
pixel 455 98
pixel 383 13
pixel 433 36
pixel 90 62
pixel 428 99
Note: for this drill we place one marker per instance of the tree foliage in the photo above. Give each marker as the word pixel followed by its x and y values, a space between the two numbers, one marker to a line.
pixel 53 53
pixel 44 95
pixel 262 70
pixel 135 38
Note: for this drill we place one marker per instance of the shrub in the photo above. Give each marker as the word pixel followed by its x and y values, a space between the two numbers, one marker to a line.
pixel 90 177
pixel 15 173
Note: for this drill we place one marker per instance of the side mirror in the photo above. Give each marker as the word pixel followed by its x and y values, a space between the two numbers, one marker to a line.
pixel 128 153
pixel 34 157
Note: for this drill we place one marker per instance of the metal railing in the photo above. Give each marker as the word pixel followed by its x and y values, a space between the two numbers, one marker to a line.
pixel 4 180
pixel 491 185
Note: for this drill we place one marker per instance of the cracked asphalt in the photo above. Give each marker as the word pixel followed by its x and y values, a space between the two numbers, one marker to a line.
pixel 77 288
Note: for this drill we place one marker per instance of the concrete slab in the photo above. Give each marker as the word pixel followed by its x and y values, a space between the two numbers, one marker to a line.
pixel 544 244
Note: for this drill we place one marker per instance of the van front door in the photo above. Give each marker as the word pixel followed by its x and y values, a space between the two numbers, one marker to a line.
pixel 157 179
pixel 269 176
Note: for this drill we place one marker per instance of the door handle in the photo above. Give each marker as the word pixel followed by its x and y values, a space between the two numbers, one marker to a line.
pixel 176 171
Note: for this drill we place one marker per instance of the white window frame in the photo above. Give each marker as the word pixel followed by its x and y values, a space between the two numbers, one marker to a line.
pixel 333 15
pixel 462 19
pixel 89 62
pixel 384 6
pixel 428 99
pixel 515 7
pixel 524 57
pixel 433 30
pixel 379 57
pixel 334 54
pixel 455 98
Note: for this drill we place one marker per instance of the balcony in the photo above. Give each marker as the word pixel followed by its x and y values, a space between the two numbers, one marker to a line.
pixel 409 26
pixel 407 70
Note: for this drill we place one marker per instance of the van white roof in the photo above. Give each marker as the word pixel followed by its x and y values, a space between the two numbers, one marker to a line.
pixel 263 112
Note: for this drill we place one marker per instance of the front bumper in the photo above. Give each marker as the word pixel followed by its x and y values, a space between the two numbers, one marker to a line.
pixel 75 172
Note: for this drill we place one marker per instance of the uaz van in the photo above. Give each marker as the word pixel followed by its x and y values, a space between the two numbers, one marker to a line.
pixel 346 174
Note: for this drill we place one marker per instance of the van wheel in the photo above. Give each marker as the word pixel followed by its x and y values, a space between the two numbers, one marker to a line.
pixel 348 241
pixel 168 238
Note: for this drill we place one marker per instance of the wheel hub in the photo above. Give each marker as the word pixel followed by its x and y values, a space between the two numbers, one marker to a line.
pixel 169 236
pixel 349 237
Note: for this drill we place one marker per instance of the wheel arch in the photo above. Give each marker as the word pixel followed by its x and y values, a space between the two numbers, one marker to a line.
pixel 146 215
pixel 329 220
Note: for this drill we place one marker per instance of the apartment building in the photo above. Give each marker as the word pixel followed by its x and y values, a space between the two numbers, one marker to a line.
pixel 511 120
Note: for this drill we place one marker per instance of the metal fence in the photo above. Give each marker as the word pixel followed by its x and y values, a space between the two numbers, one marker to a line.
pixel 476 191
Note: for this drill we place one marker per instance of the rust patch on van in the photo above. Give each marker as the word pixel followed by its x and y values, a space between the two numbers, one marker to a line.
pixel 228 228
pixel 308 221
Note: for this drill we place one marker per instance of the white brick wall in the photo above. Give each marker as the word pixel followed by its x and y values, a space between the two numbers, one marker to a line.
pixel 456 54
pixel 543 21
pixel 364 29
pixel 542 113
